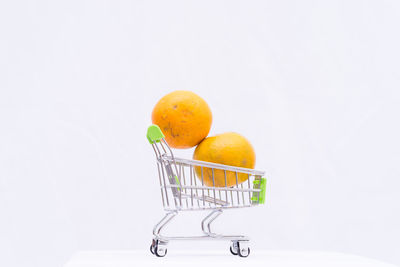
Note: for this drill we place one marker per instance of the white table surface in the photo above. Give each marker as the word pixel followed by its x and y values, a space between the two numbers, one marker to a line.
pixel 220 258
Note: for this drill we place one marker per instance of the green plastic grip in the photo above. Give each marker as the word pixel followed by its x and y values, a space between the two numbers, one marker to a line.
pixel 154 134
pixel 177 182
pixel 260 183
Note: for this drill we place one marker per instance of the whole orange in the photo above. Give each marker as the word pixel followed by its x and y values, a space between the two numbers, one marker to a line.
pixel 184 117
pixel 229 149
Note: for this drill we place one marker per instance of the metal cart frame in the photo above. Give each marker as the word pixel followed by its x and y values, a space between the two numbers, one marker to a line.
pixel 183 189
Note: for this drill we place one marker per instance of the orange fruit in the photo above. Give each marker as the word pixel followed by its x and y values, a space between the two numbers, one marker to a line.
pixel 184 117
pixel 229 149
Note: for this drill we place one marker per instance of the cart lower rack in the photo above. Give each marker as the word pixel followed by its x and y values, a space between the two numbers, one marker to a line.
pixel 184 187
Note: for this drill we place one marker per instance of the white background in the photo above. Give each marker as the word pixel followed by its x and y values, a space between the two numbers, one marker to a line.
pixel 314 85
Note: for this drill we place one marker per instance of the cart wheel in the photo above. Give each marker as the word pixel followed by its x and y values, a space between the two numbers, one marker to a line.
pixel 243 251
pixel 234 248
pixel 153 245
pixel 160 251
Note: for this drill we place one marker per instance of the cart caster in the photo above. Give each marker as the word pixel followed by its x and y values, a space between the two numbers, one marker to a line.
pixel 160 251
pixel 243 250
pixel 234 247
pixel 158 248
pixel 240 248
pixel 153 245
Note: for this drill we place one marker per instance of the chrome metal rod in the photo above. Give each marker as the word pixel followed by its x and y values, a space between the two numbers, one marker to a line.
pixel 212 188
pixel 213 165
pixel 164 221
pixel 214 214
pixel 206 237
pixel 210 218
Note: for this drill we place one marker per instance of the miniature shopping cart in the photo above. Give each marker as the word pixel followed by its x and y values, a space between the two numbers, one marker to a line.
pixel 183 190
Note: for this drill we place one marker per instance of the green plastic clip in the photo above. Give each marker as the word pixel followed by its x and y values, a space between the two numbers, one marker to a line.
pixel 259 197
pixel 178 183
pixel 154 134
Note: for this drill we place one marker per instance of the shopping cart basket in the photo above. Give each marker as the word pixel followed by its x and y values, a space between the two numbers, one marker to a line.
pixel 183 190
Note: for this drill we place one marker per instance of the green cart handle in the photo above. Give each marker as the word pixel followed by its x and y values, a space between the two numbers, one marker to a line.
pixel 259 198
pixel 154 134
